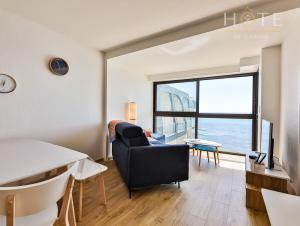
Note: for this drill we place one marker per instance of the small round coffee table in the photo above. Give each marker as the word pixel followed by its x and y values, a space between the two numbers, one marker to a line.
pixel 204 145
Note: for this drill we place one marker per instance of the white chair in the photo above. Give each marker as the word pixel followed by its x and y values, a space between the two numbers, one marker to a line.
pixel 87 169
pixel 35 204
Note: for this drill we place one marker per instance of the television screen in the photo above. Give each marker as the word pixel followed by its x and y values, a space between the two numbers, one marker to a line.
pixel 267 142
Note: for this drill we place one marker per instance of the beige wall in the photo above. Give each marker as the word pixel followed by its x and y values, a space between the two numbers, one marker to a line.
pixel 64 110
pixel 290 107
pixel 270 73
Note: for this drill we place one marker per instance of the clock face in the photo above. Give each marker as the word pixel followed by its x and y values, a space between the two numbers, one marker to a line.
pixel 59 66
pixel 7 83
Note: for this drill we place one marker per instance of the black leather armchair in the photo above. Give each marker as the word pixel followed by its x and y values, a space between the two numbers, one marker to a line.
pixel 142 165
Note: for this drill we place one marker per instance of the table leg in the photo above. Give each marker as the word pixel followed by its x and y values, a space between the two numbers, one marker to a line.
pixel 102 189
pixel 10 210
pixel 207 156
pixel 215 158
pixel 80 200
pixel 71 213
pixel 193 151
pixel 218 156
pixel 200 153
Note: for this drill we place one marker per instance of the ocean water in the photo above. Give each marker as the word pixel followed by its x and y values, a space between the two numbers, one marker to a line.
pixel 235 135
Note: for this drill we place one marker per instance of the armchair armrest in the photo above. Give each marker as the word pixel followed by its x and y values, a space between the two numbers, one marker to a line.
pixel 151 165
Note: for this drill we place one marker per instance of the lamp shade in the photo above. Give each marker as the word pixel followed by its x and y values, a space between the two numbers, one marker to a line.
pixel 132 111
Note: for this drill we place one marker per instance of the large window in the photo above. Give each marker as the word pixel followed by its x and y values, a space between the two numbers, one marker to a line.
pixel 221 109
pixel 228 95
pixel 180 97
pixel 176 129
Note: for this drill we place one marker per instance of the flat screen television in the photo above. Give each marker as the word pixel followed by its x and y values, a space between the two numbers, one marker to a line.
pixel 267 142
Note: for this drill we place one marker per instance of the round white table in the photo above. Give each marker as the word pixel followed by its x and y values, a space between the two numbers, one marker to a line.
pixel 204 145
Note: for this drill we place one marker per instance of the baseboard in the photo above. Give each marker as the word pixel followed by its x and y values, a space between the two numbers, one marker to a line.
pixel 99 160
pixel 103 160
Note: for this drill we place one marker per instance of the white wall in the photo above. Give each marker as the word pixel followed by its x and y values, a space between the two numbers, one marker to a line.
pixel 270 74
pixel 65 110
pixel 290 104
pixel 124 87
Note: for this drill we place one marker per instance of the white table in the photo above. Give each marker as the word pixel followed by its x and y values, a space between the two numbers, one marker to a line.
pixel 203 142
pixel 24 158
pixel 207 143
pixel 283 209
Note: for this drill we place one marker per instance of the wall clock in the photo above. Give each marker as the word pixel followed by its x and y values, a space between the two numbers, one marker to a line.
pixel 58 66
pixel 7 83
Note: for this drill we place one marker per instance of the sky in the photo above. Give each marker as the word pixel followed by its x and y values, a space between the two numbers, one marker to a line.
pixel 230 95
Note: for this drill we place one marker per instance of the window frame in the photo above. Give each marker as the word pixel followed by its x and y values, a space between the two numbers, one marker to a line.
pixel 197 115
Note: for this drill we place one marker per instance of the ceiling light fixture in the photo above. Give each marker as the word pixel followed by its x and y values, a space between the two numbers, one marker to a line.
pixel 184 46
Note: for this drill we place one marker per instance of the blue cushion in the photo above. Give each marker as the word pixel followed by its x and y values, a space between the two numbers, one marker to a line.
pixel 204 147
pixel 160 137
pixel 154 142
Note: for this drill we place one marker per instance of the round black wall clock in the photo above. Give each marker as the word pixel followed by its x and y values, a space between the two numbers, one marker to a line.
pixel 7 83
pixel 58 66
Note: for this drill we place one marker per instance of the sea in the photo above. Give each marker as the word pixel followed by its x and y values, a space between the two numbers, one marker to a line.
pixel 235 135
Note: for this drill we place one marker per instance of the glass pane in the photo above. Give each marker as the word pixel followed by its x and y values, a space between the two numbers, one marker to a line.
pixel 176 97
pixel 229 95
pixel 235 135
pixel 176 129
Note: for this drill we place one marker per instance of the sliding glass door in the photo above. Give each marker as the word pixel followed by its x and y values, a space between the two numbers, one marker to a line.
pixel 221 109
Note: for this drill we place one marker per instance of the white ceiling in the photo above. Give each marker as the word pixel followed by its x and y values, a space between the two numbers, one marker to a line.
pixel 103 24
pixel 213 49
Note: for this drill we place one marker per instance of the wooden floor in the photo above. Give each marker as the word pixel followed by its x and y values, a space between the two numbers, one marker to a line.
pixel 212 196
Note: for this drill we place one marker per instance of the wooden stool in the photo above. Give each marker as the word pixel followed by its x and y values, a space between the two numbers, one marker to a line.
pixel 87 169
pixel 208 149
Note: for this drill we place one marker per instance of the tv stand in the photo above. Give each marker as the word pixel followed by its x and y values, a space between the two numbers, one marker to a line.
pixel 259 177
